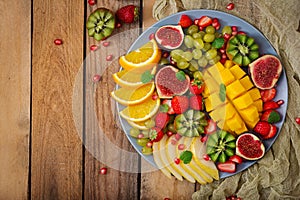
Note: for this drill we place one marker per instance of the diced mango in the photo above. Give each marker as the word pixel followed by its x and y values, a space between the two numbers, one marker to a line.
pixel 227 77
pixel 210 87
pixel 206 76
pixel 246 82
pixel 215 73
pixel 219 66
pixel 222 125
pixel 212 102
pixel 218 114
pixel 235 123
pixel 237 71
pixel 230 111
pixel 228 64
pixel 258 104
pixel 235 89
pixel 250 113
pixel 243 101
pixel 251 125
pixel 241 130
pixel 255 94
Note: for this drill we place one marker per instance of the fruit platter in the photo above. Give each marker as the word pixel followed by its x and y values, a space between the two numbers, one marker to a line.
pixel 201 95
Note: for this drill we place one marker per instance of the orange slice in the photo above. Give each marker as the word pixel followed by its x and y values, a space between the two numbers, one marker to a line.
pixel 139 125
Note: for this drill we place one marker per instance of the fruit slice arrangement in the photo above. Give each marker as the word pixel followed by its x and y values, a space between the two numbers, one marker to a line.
pixel 200 99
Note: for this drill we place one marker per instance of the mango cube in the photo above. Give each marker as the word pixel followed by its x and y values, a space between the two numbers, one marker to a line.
pixel 246 82
pixel 222 125
pixel 243 101
pixel 255 94
pixel 241 130
pixel 235 123
pixel 227 77
pixel 250 113
pixel 237 71
pixel 251 125
pixel 219 66
pixel 258 104
pixel 215 73
pixel 235 89
pixel 210 87
pixel 230 111
pixel 218 114
pixel 228 64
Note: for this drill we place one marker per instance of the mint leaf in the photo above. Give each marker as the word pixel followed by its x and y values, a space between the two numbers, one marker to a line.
pixel 180 75
pixel 164 108
pixel 222 93
pixel 146 77
pixel 218 43
pixel 186 157
pixel 274 117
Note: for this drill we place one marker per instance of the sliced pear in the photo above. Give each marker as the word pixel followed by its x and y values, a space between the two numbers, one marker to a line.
pixel 207 177
pixel 171 154
pixel 198 149
pixel 158 161
pixel 164 158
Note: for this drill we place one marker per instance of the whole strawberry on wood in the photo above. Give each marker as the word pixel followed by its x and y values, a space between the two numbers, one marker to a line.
pixel 128 14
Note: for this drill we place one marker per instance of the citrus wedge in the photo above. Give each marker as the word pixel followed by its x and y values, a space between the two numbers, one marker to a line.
pixel 139 125
pixel 127 96
pixel 129 79
pixel 143 58
pixel 141 112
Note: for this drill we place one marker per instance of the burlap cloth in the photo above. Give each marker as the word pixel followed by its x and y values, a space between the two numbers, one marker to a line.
pixel 277 175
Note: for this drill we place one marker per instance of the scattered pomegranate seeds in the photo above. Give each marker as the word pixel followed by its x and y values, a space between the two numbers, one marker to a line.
pixel 109 57
pixel 169 134
pixel 173 142
pixel 230 6
pixel 234 33
pixel 280 102
pixel 106 43
pixel 96 78
pixel 141 135
pixel 149 144
pixel 118 25
pixel 154 96
pixel 58 41
pixel 167 199
pixel 206 157
pixel 151 36
pixel 298 120
pixel 177 136
pixel 92 2
pixel 234 28
pixel 203 139
pixel 93 47
pixel 176 161
pixel 103 170
pixel 241 32
pixel 165 54
pixel 226 36
pixel 181 147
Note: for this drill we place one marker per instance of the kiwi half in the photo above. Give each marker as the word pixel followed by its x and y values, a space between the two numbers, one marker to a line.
pixel 242 50
pixel 100 23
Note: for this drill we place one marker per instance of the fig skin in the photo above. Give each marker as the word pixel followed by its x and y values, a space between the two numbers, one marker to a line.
pixel 167 46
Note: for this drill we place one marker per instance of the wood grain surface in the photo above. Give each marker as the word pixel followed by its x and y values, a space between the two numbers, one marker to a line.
pixel 15 62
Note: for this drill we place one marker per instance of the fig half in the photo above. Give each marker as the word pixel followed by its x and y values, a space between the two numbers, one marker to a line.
pixel 169 37
pixel 249 147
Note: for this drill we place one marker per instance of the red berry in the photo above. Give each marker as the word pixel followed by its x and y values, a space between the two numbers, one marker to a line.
pixel 222 50
pixel 235 158
pixel 204 21
pixel 58 41
pixel 185 21
pixel 203 139
pixel 224 56
pixel 234 28
pixel 167 199
pixel 223 61
pixel 297 120
pixel 109 57
pixel 226 36
pixel 181 147
pixel 128 14
pixel 161 119
pixel 156 134
pixel 173 142
pixel 177 136
pixel 180 104
pixel 196 86
pixel 263 128
pixel 165 54
pixel 169 133
pixel 106 43
pixel 149 144
pixel 206 157
pixel 280 102
pixel 141 135
pixel 103 170
pixel 118 25
pixel 176 161
pixel 93 47
pixel 234 33
pixel 268 95
pixel 272 132
pixel 96 78
pixel 230 6
pixel 92 2
pixel 151 36
pixel 154 96
pixel 241 33
pixel 196 102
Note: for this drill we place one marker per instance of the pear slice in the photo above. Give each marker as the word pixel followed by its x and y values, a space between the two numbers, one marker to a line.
pixel 187 167
pixel 164 158
pixel 198 149
pixel 207 177
pixel 171 154
pixel 158 161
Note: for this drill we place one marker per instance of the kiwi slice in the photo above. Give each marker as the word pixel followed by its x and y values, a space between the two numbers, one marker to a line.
pixel 242 49
pixel 100 24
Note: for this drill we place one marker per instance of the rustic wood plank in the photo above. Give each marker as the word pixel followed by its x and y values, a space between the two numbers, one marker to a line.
pixel 119 182
pixel 15 62
pixel 56 148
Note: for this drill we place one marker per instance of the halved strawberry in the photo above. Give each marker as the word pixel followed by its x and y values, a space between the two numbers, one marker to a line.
pixel 166 105
pixel 180 104
pixel 272 132
pixel 196 102
pixel 211 127
pixel 262 128
pixel 204 21
pixel 161 119
pixel 271 116
pixel 268 95
pixel 185 21
pixel 235 158
pixel 227 166
pixel 155 134
pixel 269 105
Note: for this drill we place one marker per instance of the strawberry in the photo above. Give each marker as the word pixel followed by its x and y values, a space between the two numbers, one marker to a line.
pixel 204 21
pixel 161 119
pixel 185 21
pixel 196 102
pixel 270 105
pixel 180 104
pixel 196 86
pixel 235 158
pixel 271 116
pixel 268 95
pixel 155 134
pixel 128 14
pixel 272 132
pixel 263 128
pixel 211 127
pixel 167 106
pixel 227 166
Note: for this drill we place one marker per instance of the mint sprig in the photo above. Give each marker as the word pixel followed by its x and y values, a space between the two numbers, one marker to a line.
pixel 218 43
pixel 180 75
pixel 186 157
pixel 222 93
pixel 147 77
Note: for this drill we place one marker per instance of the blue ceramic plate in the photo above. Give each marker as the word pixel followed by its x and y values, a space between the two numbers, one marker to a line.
pixel 225 19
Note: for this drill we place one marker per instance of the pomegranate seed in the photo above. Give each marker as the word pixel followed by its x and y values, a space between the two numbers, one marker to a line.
pixel 58 41
pixel 206 157
pixel 93 47
pixel 228 198
pixel 92 2
pixel 222 51
pixel 226 36
pixel 203 139
pixel 96 78
pixel 154 96
pixel 215 20
pixel 181 147
pixel 103 170
pixel 167 199
pixel 106 43
pixel 196 21
pixel 241 32
pixel 224 56
pixel 234 33
pixel 169 133
pixel 239 198
pixel 165 54
pixel 234 28
pixel 109 57
pixel 151 36
pixel 118 25
pixel 217 27
pixel 230 6
pixel 298 120
pixel 173 142
pixel 149 144
pixel 223 61
pixel 141 135
pixel 172 62
pixel 201 28
pixel 280 102
pixel 176 161
pixel 177 136
pixel 233 198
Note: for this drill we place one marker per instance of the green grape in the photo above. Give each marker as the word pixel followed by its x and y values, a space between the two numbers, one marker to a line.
pixel 188 56
pixel 207 46
pixel 176 54
pixel 214 60
pixel 209 37
pixel 210 29
pixel 218 35
pixel 198 75
pixel 192 29
pixel 202 33
pixel 142 141
pixel 171 128
pixel 202 62
pixel 188 41
pixel 210 54
pixel 227 29
pixel 198 43
pixel 134 132
pixel 150 123
pixel 164 61
pixel 197 53
pixel 182 64
pixel 147 150
pixel 197 35
pixel 145 133
pixel 193 66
